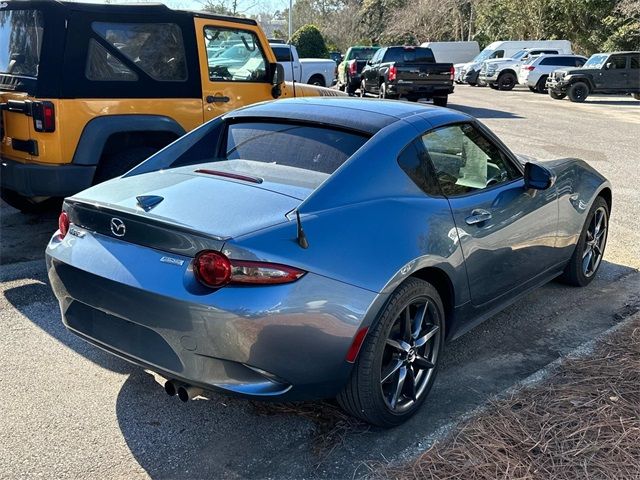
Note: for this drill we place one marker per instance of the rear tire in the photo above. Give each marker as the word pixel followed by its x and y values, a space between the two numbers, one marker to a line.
pixel 506 81
pixel 590 246
pixel 441 101
pixel 578 92
pixel 121 162
pixel 391 401
pixel 556 96
pixel 317 80
pixel 363 91
pixel 541 85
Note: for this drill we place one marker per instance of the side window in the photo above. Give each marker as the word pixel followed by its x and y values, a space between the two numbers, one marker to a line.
pixel 104 67
pixel 234 55
pixel 282 54
pixel 156 48
pixel 376 57
pixel 580 62
pixel 618 62
pixel 465 160
pixel 635 62
pixel 497 54
pixel 415 163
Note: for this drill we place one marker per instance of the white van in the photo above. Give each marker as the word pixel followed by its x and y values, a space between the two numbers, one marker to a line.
pixel 468 72
pixel 453 52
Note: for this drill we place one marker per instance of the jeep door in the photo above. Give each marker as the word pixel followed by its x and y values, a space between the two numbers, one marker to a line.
pixel 617 74
pixel 235 65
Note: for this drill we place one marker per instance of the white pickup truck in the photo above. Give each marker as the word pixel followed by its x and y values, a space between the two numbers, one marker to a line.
pixel 315 71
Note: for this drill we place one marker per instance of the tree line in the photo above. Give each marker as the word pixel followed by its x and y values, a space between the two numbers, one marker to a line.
pixel 591 25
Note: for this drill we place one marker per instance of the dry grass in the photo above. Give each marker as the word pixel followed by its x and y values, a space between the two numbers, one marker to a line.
pixel 582 422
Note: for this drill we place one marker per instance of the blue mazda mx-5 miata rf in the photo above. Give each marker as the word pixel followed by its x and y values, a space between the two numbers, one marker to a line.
pixel 316 248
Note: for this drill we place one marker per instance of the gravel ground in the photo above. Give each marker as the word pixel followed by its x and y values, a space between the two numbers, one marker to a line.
pixel 73 411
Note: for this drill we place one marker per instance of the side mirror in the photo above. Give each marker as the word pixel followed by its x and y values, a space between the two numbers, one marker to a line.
pixel 538 177
pixel 608 66
pixel 368 62
pixel 277 80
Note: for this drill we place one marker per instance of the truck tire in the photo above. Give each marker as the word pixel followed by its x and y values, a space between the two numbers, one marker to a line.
pixel 441 101
pixel 556 95
pixel 541 86
pixel 506 81
pixel 121 162
pixel 578 92
pixel 317 80
pixel 382 92
pixel 28 204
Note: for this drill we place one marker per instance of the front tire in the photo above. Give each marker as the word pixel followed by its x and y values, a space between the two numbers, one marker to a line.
pixel 441 101
pixel 587 257
pixel 578 92
pixel 541 86
pixel 398 361
pixel 506 81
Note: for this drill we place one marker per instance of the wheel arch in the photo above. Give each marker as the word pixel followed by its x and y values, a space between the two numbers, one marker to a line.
pixel 583 79
pixel 443 284
pixel 608 197
pixel 508 70
pixel 99 131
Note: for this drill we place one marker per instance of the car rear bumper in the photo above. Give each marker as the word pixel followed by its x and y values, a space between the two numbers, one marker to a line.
pixel 412 89
pixel 32 180
pixel 283 342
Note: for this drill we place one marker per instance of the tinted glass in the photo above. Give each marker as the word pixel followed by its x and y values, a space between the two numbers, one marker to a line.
pixel 635 62
pixel 618 62
pixel 409 55
pixel 20 41
pixel 103 66
pixel 156 48
pixel 362 53
pixel 234 56
pixel 559 61
pixel 415 163
pixel 283 54
pixel 294 145
pixel 465 160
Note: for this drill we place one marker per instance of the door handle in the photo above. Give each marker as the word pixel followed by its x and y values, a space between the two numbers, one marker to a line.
pixel 478 215
pixel 217 99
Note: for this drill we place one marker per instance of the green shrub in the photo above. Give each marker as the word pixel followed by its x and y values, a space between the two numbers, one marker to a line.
pixel 309 42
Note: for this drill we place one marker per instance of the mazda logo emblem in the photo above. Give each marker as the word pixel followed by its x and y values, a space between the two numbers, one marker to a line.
pixel 118 227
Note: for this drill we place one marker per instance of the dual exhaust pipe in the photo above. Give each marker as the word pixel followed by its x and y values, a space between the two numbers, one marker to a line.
pixel 185 392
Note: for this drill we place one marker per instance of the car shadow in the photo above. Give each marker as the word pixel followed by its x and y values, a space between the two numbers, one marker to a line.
pixel 479 112
pixel 18 247
pixel 225 437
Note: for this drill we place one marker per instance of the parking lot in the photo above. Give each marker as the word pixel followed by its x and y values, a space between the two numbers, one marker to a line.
pixel 76 411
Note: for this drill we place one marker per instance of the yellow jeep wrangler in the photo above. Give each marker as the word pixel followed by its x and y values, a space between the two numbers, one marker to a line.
pixel 88 91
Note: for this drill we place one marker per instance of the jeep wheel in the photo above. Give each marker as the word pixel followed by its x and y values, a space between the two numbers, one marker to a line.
pixel 29 204
pixel 578 92
pixel 506 81
pixel 556 96
pixel 121 162
pixel 541 86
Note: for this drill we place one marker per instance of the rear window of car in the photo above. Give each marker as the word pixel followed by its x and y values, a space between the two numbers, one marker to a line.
pixel 20 41
pixel 302 146
pixel 409 55
pixel 559 61
pixel 283 54
pixel 363 53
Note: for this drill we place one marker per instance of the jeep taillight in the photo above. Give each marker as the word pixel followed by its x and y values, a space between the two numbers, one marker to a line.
pixel 44 116
pixel 392 73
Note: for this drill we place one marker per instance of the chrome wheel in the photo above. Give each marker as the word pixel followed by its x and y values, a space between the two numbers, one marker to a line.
pixel 595 242
pixel 410 355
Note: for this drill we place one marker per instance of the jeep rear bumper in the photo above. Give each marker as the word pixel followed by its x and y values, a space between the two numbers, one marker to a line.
pixel 33 180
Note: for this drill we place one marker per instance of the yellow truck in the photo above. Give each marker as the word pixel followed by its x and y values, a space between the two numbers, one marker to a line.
pixel 88 91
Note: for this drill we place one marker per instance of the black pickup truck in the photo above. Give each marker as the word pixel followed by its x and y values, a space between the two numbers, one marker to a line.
pixel 411 72
pixel 611 73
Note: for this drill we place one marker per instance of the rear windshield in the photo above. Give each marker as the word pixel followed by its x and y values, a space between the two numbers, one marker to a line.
pixel 363 53
pixel 409 55
pixel 20 42
pixel 294 145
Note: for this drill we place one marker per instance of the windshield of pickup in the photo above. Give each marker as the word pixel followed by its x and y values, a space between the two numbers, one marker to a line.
pixel 409 55
pixel 362 53
pixel 20 42
pixel 596 61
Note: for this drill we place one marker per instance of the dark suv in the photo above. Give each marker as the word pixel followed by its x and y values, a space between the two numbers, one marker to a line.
pixel 612 73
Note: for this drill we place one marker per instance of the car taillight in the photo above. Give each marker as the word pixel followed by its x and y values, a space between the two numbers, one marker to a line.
pixel 452 73
pixel 353 67
pixel 392 73
pixel 529 67
pixel 44 117
pixel 63 224
pixel 214 269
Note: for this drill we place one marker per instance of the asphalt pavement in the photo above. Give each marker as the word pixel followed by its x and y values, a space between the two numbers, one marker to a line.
pixel 70 410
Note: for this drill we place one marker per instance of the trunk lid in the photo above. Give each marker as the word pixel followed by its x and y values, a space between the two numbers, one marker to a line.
pixel 204 199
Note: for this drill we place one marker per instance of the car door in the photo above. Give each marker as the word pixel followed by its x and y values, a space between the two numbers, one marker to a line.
pixel 633 79
pixel 616 73
pixel 233 64
pixel 371 76
pixel 507 233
